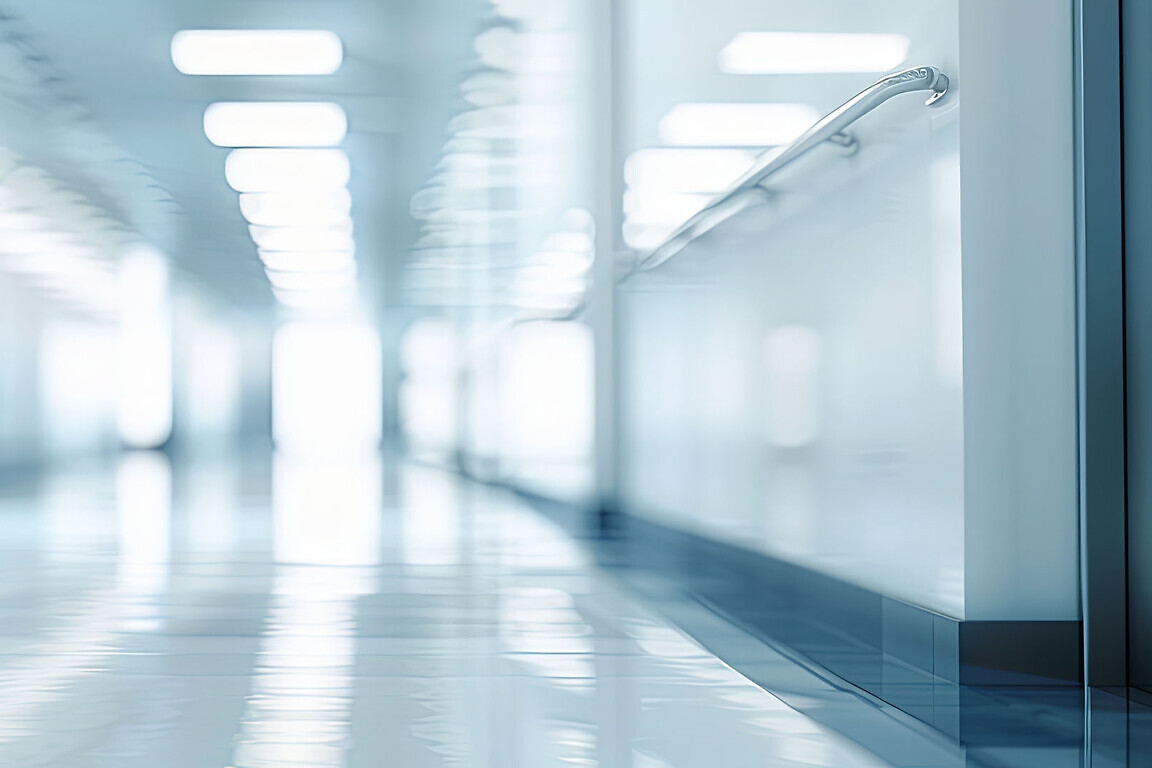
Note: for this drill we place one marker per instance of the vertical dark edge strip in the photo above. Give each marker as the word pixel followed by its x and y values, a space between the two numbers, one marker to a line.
pixel 1137 62
pixel 1099 185
pixel 1100 329
pixel 1136 29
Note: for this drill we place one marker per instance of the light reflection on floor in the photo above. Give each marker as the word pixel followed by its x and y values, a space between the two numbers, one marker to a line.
pixel 362 614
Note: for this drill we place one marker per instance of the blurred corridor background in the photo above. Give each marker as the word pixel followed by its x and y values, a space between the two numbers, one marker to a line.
pixel 573 382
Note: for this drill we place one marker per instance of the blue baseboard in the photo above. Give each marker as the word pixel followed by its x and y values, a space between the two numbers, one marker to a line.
pixel 981 687
pixel 905 655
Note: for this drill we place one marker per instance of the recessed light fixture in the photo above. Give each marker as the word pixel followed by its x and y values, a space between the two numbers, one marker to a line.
pixel 276 170
pixel 498 48
pixel 303 238
pixel 785 53
pixel 736 124
pixel 311 281
pixel 307 261
pixel 22 221
pixel 490 88
pixel 275 124
pixel 651 207
pixel 303 209
pixel 312 299
pixel 257 52
pixel 670 170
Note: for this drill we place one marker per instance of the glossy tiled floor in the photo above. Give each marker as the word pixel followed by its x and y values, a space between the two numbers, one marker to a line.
pixel 345 615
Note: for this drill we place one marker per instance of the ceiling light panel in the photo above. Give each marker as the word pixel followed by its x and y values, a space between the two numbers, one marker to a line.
pixel 702 171
pixel 304 209
pixel 256 52
pixel 785 53
pixel 303 238
pixel 650 208
pixel 307 261
pixel 735 124
pixel 275 124
pixel 311 281
pixel 276 170
pixel 314 299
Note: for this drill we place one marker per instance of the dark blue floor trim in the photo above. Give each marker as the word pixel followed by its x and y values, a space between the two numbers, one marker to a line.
pixel 915 688
pixel 925 664
pixel 865 637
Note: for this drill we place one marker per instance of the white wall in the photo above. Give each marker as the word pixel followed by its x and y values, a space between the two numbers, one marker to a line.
pixel 208 361
pixel 1016 147
pixel 795 387
pixel 20 319
pixel 873 375
pixel 58 378
pixel 70 201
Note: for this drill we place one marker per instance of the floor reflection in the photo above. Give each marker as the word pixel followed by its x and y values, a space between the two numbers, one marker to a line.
pixel 352 614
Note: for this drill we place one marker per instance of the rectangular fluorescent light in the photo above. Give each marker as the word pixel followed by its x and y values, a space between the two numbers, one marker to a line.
pixel 642 199
pixel 303 238
pixel 256 52
pixel 307 261
pixel 652 207
pixel 702 171
pixel 786 53
pixel 305 208
pixel 311 281
pixel 22 221
pixel 735 124
pixel 35 243
pixel 275 124
pixel 275 170
pixel 313 300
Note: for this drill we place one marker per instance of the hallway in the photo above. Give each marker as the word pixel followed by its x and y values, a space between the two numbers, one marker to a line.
pixel 618 383
pixel 356 615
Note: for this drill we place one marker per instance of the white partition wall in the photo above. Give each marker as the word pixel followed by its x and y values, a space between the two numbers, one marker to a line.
pixel 1018 241
pixel 872 375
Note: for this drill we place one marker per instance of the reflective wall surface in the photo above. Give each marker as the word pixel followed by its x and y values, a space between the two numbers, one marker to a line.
pixel 846 376
pixel 794 382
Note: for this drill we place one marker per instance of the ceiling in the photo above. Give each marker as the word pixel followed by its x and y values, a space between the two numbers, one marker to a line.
pixel 398 85
pixel 671 52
